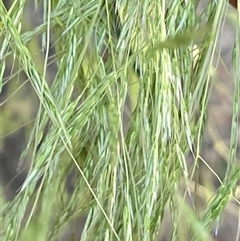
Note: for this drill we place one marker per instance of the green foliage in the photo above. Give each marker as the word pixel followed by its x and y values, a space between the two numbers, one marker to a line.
pixel 113 129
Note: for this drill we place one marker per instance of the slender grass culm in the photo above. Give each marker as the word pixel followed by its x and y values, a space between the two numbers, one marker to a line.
pixel 123 90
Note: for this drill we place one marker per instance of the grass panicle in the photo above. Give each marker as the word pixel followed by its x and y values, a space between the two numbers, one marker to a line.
pixel 122 101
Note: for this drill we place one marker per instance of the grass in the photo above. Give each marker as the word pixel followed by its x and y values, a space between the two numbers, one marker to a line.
pixel 114 126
